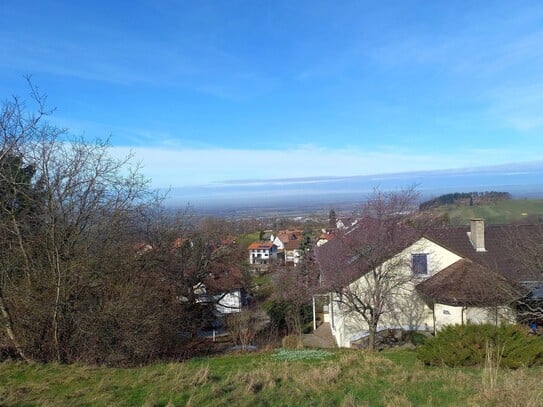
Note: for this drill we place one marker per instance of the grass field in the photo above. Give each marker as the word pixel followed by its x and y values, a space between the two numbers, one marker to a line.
pixel 339 378
pixel 248 238
pixel 513 210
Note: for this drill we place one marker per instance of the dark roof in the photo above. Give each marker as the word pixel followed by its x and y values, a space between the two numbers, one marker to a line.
pixel 352 253
pixel 225 280
pixel 484 277
pixel 468 283
pixel 505 248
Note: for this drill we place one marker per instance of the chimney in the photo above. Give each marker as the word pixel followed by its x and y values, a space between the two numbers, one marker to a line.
pixel 477 234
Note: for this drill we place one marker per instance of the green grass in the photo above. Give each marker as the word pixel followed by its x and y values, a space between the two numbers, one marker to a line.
pixel 337 378
pixel 301 354
pixel 513 210
pixel 248 238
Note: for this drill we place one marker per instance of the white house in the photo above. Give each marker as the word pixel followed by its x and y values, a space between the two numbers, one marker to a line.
pixel 285 236
pixel 293 253
pixel 262 252
pixel 446 276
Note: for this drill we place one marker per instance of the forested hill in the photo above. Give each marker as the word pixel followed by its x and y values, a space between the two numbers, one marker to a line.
pixel 465 198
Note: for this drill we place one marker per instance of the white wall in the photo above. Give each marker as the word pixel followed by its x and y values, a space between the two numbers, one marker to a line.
pixel 276 241
pixel 451 315
pixel 255 255
pixel 447 315
pixel 293 255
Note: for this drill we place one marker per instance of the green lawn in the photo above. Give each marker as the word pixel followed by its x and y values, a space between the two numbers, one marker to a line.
pixel 497 213
pixel 248 238
pixel 341 378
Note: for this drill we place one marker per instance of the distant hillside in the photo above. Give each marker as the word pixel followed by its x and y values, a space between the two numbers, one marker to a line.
pixel 508 211
pixel 466 198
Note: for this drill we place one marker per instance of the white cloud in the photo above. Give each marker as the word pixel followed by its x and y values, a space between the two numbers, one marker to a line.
pixel 192 166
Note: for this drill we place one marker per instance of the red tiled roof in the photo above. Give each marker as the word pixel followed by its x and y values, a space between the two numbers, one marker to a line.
pixel 327 236
pixel 287 235
pixel 293 244
pixel 261 246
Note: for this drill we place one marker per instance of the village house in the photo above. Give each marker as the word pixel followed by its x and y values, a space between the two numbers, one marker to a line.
pixel 292 252
pixel 325 237
pixel 450 275
pixel 288 245
pixel 346 223
pixel 285 236
pixel 262 252
pixel 223 289
pixel 226 302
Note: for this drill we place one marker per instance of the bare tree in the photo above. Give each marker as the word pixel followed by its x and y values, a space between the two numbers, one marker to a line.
pixel 292 291
pixel 524 244
pixel 362 267
pixel 201 266
pixel 243 327
pixel 66 206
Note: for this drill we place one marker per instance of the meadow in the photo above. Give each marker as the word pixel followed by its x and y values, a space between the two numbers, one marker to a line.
pixel 271 378
pixel 513 210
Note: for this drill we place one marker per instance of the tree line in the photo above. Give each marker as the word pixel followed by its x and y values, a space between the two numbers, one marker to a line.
pixel 465 198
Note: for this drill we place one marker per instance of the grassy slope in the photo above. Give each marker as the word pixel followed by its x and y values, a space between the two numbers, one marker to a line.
pixel 247 239
pixel 501 212
pixel 347 378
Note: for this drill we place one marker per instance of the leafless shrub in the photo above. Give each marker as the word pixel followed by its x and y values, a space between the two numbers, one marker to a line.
pixel 89 269
pixel 242 327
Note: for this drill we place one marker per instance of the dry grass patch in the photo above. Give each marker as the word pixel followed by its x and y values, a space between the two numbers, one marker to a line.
pixel 318 379
pixel 201 376
pixel 342 378
pixel 397 400
pixel 350 401
pixel 514 388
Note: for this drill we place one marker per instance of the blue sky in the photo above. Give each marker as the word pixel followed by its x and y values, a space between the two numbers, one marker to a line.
pixel 209 91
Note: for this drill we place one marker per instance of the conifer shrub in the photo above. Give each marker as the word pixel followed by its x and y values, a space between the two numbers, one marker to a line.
pixel 466 345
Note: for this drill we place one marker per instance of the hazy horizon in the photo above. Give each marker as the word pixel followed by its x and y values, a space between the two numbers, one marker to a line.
pixel 521 180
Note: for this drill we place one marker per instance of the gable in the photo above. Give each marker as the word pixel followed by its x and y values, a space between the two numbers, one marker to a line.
pixel 438 258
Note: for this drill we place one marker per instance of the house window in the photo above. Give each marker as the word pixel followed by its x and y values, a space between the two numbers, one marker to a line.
pixel 420 264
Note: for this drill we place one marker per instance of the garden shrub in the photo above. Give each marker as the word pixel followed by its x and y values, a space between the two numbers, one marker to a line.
pixel 465 345
pixel 416 338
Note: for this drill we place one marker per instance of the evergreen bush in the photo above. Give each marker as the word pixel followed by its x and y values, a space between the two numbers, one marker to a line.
pixel 465 345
